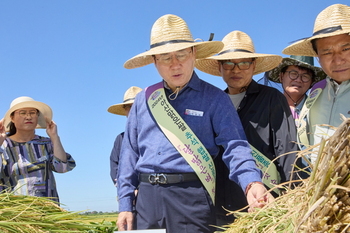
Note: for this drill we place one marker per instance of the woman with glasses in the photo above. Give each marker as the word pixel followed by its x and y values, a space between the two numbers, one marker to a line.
pixel 297 74
pixel 27 159
pixel 263 111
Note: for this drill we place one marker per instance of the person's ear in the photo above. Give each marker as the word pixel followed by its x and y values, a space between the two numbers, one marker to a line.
pixel 280 77
pixel 194 50
pixel 219 66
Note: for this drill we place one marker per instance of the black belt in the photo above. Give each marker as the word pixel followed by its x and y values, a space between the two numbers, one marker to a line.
pixel 166 178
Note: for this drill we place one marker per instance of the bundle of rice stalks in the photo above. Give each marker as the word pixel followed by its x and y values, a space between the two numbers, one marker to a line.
pixel 320 204
pixel 38 214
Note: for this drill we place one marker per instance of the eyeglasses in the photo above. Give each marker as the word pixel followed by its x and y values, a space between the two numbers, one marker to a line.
pixel 244 65
pixel 31 113
pixel 167 58
pixel 293 75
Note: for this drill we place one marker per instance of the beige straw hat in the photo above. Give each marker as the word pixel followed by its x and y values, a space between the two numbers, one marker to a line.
pixel 170 33
pixel 27 102
pixel 332 21
pixel 129 98
pixel 303 61
pixel 238 45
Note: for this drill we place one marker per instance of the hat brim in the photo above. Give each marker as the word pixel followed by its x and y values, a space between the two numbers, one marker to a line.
pixel 275 73
pixel 44 112
pixel 118 109
pixel 203 50
pixel 264 62
pixel 304 47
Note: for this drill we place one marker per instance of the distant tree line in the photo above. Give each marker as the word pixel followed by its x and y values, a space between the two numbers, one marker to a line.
pixel 99 213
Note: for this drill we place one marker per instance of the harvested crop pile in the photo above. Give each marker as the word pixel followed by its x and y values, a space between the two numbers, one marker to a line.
pixel 320 204
pixel 38 214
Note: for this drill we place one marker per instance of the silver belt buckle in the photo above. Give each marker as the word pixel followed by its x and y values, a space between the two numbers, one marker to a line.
pixel 157 179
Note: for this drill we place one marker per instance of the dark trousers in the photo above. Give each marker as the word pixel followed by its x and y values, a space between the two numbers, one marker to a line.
pixel 184 207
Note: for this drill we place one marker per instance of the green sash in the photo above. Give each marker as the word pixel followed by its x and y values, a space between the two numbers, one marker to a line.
pixel 271 176
pixel 303 124
pixel 182 137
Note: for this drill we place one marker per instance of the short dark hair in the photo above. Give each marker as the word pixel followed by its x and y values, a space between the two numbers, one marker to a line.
pixel 314 47
pixel 12 127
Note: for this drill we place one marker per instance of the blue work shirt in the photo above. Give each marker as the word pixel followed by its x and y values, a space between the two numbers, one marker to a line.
pixel 145 149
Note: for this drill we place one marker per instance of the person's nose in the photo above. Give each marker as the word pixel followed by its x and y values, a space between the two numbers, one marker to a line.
pixel 338 58
pixel 235 69
pixel 298 79
pixel 28 115
pixel 174 61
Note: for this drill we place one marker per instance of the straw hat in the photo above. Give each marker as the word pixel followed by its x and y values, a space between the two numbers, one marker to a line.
pixel 129 98
pixel 238 45
pixel 170 33
pixel 332 21
pixel 303 61
pixel 27 102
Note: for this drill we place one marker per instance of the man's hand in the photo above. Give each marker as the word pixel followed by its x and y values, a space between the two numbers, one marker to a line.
pixel 258 197
pixel 125 221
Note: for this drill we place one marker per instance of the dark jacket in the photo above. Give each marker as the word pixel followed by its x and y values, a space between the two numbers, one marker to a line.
pixel 114 157
pixel 270 128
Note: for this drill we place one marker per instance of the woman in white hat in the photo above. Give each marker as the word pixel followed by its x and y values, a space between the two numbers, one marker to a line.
pixel 29 160
pixel 297 75
pixel 263 111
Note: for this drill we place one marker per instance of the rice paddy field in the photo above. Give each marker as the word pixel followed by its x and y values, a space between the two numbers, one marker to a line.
pixel 37 214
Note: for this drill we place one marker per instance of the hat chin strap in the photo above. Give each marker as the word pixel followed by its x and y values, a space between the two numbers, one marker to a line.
pixel 295 103
pixel 176 92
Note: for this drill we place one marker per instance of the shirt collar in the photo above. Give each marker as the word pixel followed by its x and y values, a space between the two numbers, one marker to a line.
pixel 338 88
pixel 194 83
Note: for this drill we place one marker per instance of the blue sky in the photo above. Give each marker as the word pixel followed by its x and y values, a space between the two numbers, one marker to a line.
pixel 70 55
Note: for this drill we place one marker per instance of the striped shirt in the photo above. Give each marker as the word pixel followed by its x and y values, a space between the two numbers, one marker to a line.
pixel 27 168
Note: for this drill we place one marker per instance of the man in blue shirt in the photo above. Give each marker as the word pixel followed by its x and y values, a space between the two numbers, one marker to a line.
pixel 148 157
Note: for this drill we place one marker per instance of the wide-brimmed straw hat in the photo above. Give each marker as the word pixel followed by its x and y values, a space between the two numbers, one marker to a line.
pixel 28 102
pixel 303 61
pixel 129 98
pixel 332 21
pixel 170 33
pixel 238 45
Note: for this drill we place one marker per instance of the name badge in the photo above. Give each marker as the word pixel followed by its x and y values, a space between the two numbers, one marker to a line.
pixel 193 112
